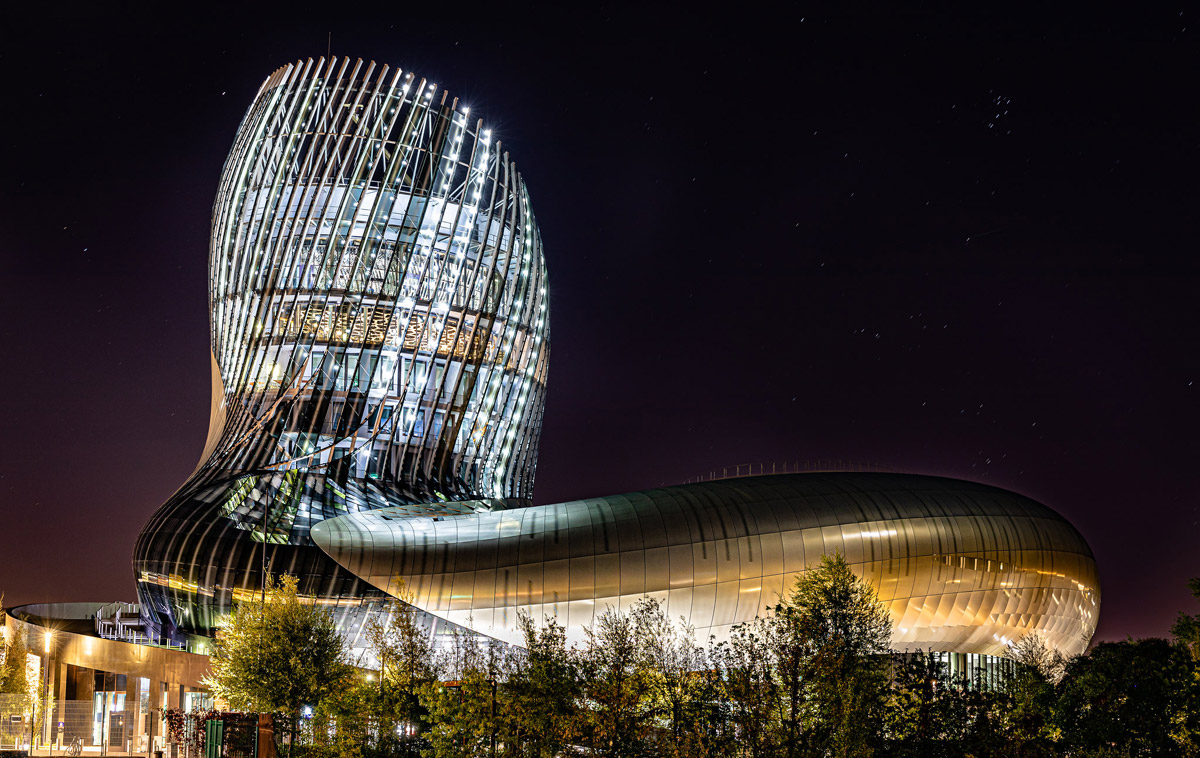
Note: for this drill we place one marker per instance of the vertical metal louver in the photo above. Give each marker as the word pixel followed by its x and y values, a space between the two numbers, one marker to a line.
pixel 380 333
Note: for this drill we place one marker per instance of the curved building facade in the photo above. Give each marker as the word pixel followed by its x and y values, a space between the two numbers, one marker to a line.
pixel 379 334
pixel 380 339
pixel 962 567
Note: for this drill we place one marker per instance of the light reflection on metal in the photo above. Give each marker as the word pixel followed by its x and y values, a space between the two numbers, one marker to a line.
pixel 380 341
pixel 961 567
pixel 379 334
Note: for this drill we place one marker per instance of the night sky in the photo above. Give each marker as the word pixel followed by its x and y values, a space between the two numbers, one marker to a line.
pixel 937 243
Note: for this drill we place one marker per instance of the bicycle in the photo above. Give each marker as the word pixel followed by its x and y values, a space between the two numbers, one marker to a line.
pixel 76 747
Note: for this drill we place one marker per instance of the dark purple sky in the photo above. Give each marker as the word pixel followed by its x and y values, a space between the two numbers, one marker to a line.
pixel 962 245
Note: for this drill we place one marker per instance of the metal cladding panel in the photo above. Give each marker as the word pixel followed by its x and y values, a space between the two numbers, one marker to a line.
pixel 379 330
pixel 380 343
pixel 961 567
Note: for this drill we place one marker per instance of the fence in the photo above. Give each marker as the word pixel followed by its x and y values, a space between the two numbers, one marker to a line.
pixel 14 726
pixel 217 734
pixel 70 720
pixel 75 716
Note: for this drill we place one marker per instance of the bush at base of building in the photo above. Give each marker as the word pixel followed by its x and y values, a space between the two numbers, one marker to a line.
pixel 278 653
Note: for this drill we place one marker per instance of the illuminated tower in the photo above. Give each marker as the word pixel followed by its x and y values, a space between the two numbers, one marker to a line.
pixel 380 337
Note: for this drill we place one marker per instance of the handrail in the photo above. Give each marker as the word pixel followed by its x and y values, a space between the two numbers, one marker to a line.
pixel 787 467
pixel 111 626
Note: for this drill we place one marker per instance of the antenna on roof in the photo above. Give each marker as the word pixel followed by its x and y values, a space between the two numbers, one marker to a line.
pixel 329 47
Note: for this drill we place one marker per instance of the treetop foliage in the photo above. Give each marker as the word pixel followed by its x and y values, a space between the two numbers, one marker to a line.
pixel 278 653
pixel 1186 629
pixel 14 677
pixel 812 678
pixel 830 609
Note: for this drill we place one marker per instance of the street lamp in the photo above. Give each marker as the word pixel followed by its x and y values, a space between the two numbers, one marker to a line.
pixel 42 711
pixel 46 701
pixel 268 501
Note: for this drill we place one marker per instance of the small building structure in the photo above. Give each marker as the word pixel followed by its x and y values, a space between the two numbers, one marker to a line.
pixel 106 680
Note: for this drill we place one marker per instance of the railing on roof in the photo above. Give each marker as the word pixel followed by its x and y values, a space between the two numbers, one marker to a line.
pixel 787 467
pixel 123 622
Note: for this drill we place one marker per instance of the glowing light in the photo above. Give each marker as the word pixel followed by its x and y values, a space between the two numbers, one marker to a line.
pixel 880 533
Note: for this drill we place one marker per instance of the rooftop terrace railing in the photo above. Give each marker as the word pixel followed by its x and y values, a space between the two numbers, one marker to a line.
pixel 123 622
pixel 826 465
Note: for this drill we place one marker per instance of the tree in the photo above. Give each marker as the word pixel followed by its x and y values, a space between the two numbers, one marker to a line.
pixel 465 716
pixel 1186 629
pixel 1129 698
pixel 406 663
pixel 14 679
pixel 541 697
pixel 829 639
pixel 748 692
pixel 344 724
pixel 280 655
pixel 930 713
pixel 20 693
pixel 1033 653
pixel 1030 695
pixel 915 722
pixel 3 644
pixel 380 713
pixel 680 694
pixel 617 687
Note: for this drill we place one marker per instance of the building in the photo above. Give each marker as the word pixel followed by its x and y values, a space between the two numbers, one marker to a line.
pixel 379 339
pixel 380 342
pixel 962 567
pixel 106 678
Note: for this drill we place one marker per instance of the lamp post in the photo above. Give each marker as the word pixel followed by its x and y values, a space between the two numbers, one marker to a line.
pixel 268 501
pixel 46 675
pixel 266 516
pixel 46 700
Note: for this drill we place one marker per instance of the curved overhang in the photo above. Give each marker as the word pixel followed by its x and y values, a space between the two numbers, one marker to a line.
pixel 961 566
pixel 70 643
